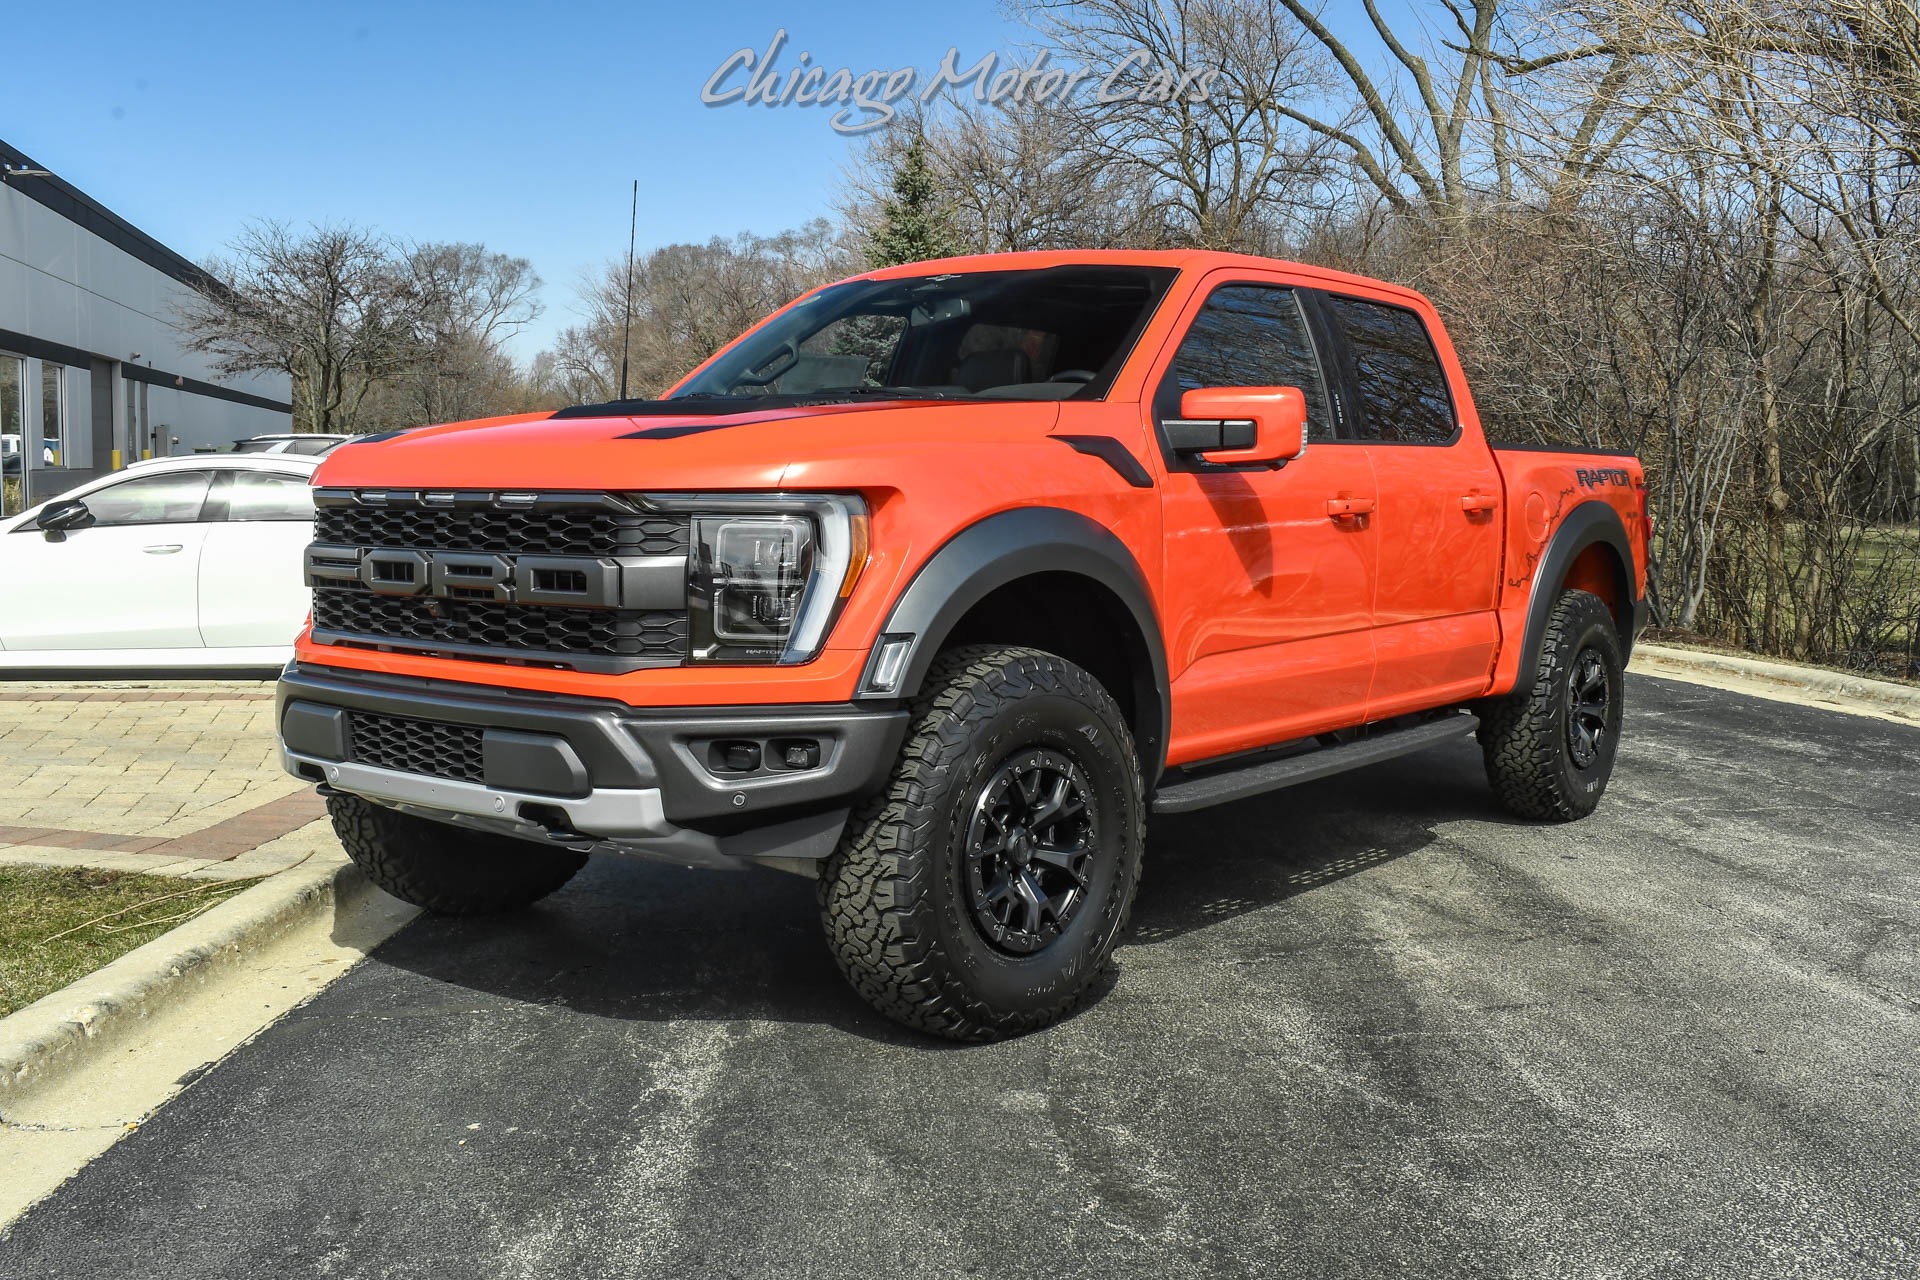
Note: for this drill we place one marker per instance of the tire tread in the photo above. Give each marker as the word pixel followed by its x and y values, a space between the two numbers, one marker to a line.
pixel 873 883
pixel 1521 736
pixel 444 869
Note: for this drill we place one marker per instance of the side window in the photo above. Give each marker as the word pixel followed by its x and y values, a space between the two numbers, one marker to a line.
pixel 172 498
pixel 269 495
pixel 1402 389
pixel 1247 336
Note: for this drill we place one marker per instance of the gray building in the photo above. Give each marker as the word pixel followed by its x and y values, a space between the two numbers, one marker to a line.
pixel 94 370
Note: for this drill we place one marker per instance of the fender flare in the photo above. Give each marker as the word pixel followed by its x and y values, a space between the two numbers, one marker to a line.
pixel 1593 521
pixel 1001 549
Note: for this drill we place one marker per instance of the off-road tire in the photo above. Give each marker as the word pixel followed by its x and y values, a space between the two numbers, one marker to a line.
pixel 1529 748
pixel 900 917
pixel 445 869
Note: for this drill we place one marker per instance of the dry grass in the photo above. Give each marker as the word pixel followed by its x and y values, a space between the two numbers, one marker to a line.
pixel 59 924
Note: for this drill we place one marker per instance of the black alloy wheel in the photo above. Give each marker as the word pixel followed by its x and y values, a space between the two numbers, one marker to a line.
pixel 1029 842
pixel 1589 704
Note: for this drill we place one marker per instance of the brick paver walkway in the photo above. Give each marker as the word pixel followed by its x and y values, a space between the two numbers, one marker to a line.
pixel 177 780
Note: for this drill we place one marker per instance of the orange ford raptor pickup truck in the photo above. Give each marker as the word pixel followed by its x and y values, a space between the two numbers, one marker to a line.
pixel 933 584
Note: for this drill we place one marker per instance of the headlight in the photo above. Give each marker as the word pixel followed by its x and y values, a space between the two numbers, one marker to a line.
pixel 768 573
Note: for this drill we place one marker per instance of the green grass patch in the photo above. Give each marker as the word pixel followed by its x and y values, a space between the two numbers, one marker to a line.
pixel 57 925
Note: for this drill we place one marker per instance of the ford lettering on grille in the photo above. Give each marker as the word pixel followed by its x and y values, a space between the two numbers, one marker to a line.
pixel 611 582
pixel 593 582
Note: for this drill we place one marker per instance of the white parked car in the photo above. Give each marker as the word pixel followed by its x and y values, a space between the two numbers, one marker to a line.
pixel 178 562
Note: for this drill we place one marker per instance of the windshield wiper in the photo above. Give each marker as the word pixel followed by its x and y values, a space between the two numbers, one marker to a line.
pixel 898 393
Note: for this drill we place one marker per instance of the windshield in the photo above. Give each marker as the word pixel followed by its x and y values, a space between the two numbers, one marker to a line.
pixel 1051 334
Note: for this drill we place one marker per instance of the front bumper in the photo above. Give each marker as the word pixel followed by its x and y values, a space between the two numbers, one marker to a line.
pixel 590 774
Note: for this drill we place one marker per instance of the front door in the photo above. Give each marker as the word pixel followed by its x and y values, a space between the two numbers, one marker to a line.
pixel 127 580
pixel 1269 574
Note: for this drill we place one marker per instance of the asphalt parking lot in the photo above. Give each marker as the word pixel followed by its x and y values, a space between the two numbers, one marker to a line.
pixel 1364 1028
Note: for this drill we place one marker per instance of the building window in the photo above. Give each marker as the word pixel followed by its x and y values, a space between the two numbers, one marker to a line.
pixel 53 413
pixel 11 371
pixel 12 432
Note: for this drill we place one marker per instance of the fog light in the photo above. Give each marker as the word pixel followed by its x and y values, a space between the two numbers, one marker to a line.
pixel 802 753
pixel 738 757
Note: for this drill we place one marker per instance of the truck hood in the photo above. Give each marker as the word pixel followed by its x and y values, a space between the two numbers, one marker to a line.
pixel 807 447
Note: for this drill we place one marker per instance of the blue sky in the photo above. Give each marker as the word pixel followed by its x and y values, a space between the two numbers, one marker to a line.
pixel 517 125
pixel 514 124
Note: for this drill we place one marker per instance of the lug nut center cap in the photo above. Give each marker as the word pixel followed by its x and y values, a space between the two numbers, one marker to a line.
pixel 1020 847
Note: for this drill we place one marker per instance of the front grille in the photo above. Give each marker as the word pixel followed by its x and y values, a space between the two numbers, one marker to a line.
pixel 470 621
pixel 643 634
pixel 560 531
pixel 416 746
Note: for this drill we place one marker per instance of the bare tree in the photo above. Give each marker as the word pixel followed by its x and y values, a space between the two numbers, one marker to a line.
pixel 326 306
pixel 1215 157
pixel 1016 176
pixel 470 303
pixel 688 301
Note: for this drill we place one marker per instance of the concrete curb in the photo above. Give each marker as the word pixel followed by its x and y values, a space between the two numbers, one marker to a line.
pixel 1813 682
pixel 62 1033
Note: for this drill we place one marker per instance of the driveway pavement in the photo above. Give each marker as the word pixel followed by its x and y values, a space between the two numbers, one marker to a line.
pixel 167 779
pixel 1369 1027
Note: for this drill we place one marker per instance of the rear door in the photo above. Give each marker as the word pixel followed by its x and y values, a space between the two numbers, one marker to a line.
pixel 1435 630
pixel 252 588
pixel 1269 570
pixel 125 581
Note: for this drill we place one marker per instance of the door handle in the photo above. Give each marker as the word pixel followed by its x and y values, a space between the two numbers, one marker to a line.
pixel 1474 502
pixel 1349 508
pixel 162 548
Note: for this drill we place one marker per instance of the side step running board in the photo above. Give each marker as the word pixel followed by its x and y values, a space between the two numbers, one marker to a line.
pixel 1269 774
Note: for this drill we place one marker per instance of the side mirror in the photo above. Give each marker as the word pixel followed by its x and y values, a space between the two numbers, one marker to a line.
pixel 59 517
pixel 1235 425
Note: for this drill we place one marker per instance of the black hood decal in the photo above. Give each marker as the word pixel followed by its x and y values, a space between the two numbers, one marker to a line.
pixel 764 409
pixel 690 429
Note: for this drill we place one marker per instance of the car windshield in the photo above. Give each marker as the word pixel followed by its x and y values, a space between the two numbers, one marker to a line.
pixel 1054 333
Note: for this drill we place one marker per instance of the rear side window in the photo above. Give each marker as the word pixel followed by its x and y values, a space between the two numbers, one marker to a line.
pixel 1247 336
pixel 1402 389
pixel 269 495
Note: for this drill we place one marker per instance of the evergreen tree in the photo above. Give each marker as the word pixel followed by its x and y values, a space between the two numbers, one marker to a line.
pixel 916 223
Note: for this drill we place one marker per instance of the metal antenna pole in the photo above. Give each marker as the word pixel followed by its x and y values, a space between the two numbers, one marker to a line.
pixel 626 329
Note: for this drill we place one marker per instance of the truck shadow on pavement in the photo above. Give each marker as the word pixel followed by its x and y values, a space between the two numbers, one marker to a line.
pixel 1215 864
pixel 637 941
